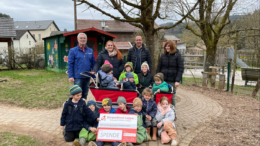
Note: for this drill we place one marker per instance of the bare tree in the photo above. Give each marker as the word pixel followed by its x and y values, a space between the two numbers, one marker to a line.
pixel 211 17
pixel 142 14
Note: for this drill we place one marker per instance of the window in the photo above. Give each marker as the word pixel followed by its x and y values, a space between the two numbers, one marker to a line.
pixel 29 42
pixel 33 35
pixel 40 37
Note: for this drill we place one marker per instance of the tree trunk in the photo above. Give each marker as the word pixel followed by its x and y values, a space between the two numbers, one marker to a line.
pixel 149 37
pixel 210 56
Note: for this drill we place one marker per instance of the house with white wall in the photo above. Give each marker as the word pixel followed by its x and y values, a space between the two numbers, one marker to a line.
pixel 39 29
pixel 24 41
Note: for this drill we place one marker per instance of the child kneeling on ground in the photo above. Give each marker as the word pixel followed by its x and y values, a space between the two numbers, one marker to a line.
pixel 107 79
pixel 89 132
pixel 72 117
pixel 107 108
pixel 159 83
pixel 165 116
pixel 150 109
pixel 142 135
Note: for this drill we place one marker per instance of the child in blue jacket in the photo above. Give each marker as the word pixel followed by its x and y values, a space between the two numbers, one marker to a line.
pixel 106 75
pixel 150 109
pixel 72 117
pixel 130 83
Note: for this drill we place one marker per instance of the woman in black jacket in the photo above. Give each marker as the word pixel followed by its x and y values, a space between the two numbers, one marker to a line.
pixel 113 55
pixel 171 65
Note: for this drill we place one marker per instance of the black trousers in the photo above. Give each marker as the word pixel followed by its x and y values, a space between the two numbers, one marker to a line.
pixel 70 136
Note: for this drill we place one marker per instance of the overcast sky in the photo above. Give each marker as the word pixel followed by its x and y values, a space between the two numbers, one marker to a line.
pixel 61 11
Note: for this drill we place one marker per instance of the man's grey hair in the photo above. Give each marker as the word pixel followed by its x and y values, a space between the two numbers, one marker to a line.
pixel 81 34
pixel 139 36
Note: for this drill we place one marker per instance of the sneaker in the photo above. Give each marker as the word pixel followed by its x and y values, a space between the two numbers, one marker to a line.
pixel 174 142
pixel 82 141
pixel 129 144
pixel 122 144
pixel 92 143
pixel 76 142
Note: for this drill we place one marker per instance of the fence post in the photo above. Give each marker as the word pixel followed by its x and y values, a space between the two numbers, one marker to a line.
pixel 228 75
pixel 235 63
pixel 213 78
pixel 204 79
pixel 221 83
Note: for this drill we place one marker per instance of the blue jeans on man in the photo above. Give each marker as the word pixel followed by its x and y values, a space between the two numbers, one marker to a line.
pixel 84 85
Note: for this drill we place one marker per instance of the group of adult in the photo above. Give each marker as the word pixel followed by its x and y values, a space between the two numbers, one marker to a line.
pixel 81 58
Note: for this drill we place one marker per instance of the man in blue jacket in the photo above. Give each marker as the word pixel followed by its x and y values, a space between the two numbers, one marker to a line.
pixel 81 58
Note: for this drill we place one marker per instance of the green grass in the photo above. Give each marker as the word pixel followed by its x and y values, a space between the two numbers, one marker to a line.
pixel 34 88
pixel 242 90
pixel 11 139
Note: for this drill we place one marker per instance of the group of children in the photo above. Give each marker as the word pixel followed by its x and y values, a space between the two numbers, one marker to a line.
pixel 81 119
pixel 131 80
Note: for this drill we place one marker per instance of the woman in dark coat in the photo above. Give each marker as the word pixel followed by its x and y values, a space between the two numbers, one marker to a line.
pixel 113 55
pixel 171 65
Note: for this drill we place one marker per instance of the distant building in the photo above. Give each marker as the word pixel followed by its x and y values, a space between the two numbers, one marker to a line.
pixel 23 41
pixel 39 29
pixel 7 33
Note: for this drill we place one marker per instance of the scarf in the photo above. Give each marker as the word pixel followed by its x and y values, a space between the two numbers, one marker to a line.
pixel 113 53
pixel 160 108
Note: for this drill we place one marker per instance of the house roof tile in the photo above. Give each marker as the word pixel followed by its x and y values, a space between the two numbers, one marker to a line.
pixel 7 28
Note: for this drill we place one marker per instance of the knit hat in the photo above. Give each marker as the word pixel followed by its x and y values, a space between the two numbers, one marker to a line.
pixel 74 89
pixel 130 64
pixel 106 101
pixel 121 99
pixel 129 75
pixel 145 63
pixel 91 102
pixel 137 102
pixel 107 62
pixel 106 68
pixel 160 75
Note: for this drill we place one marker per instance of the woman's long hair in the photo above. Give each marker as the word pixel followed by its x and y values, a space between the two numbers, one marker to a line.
pixel 172 47
pixel 119 55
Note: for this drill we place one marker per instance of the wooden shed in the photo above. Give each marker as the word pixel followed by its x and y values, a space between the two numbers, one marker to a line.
pixel 57 46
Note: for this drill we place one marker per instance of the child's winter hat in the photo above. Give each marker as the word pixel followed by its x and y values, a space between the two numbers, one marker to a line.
pixel 145 63
pixel 74 89
pixel 121 99
pixel 160 76
pixel 130 64
pixel 106 101
pixel 90 103
pixel 129 75
pixel 107 62
pixel 137 102
pixel 106 68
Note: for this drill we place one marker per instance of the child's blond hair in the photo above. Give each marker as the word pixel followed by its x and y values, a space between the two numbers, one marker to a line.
pixel 147 91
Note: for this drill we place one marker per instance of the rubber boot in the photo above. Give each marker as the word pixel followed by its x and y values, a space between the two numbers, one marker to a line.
pixel 174 142
pixel 76 142
pixel 148 132
pixel 154 134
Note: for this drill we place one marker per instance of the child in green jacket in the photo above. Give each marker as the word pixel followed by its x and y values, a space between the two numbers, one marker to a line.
pixel 128 68
pixel 159 85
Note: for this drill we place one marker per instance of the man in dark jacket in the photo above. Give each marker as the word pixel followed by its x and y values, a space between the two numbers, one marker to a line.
pixel 139 54
pixel 81 58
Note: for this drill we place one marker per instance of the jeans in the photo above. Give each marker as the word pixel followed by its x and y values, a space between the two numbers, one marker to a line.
pixel 173 97
pixel 84 85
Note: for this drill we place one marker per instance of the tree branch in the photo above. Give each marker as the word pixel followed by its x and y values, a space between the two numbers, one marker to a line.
pixel 193 31
pixel 127 18
pixel 180 21
pixel 133 5
pixel 155 15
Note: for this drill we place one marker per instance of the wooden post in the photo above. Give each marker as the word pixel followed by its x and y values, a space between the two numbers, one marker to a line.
pixel 75 14
pixel 257 86
pixel 235 63
pixel 204 79
pixel 221 83
pixel 213 78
